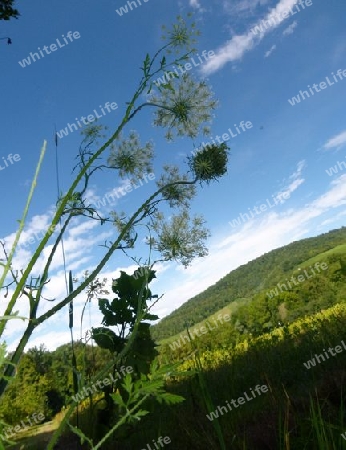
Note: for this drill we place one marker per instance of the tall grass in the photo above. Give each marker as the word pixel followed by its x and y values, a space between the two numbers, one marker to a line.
pixel 285 418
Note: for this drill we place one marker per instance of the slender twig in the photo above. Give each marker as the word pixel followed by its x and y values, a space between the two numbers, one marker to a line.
pixel 7 266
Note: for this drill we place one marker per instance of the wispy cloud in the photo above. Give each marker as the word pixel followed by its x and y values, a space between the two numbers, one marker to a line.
pixel 235 48
pixel 196 4
pixel 297 173
pixel 270 51
pixel 290 29
pixel 243 7
pixel 333 219
pixel 336 141
pixel 295 180
pixel 78 243
pixel 99 202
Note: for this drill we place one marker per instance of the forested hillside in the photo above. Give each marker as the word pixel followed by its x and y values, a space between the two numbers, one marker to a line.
pixel 248 280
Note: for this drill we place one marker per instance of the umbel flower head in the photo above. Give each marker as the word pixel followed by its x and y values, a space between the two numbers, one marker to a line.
pixel 176 194
pixel 130 157
pixel 210 163
pixel 185 107
pixel 181 35
pixel 180 238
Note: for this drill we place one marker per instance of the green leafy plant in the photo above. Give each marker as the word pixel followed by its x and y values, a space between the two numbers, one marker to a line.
pixel 184 109
pixel 135 393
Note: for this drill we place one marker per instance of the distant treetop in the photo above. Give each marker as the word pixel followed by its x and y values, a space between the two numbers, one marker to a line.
pixel 7 11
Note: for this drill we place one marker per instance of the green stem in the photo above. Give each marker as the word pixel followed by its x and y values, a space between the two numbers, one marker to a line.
pixel 130 112
pixel 111 250
pixel 33 308
pixel 19 232
pixel 127 117
pixel 63 203
pixel 86 282
pixel 121 422
pixel 94 380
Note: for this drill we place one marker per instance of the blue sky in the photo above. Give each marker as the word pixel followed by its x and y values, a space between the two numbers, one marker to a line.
pixel 288 150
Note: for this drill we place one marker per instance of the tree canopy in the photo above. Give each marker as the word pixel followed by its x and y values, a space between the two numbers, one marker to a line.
pixel 7 10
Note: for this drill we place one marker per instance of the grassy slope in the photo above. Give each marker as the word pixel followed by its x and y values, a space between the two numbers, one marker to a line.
pixel 280 419
pixel 245 281
pixel 229 309
pixel 36 437
pixel 321 257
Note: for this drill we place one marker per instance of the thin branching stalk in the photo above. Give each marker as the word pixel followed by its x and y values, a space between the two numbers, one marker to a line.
pixel 35 322
pixel 129 114
pixel 120 422
pixel 94 380
pixel 7 266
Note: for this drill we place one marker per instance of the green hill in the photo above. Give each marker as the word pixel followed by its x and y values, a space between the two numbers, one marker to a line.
pixel 212 320
pixel 259 275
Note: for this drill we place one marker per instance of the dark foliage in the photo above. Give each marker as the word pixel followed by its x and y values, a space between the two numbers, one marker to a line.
pixel 7 10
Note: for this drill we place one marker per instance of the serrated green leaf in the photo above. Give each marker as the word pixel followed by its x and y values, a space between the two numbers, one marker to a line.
pixel 140 414
pixel 80 433
pixel 127 384
pixel 117 398
pixel 170 399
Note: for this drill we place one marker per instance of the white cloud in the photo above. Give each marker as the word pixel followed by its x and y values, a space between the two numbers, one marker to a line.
pixel 75 242
pixel 261 235
pixel 78 243
pixel 270 51
pixel 244 7
pixel 295 181
pixel 336 141
pixel 32 233
pixel 195 4
pixel 110 198
pixel 231 51
pixel 333 219
pixel 235 48
pixel 300 167
pixel 78 252
pixel 82 228
pixel 51 341
pixel 290 29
